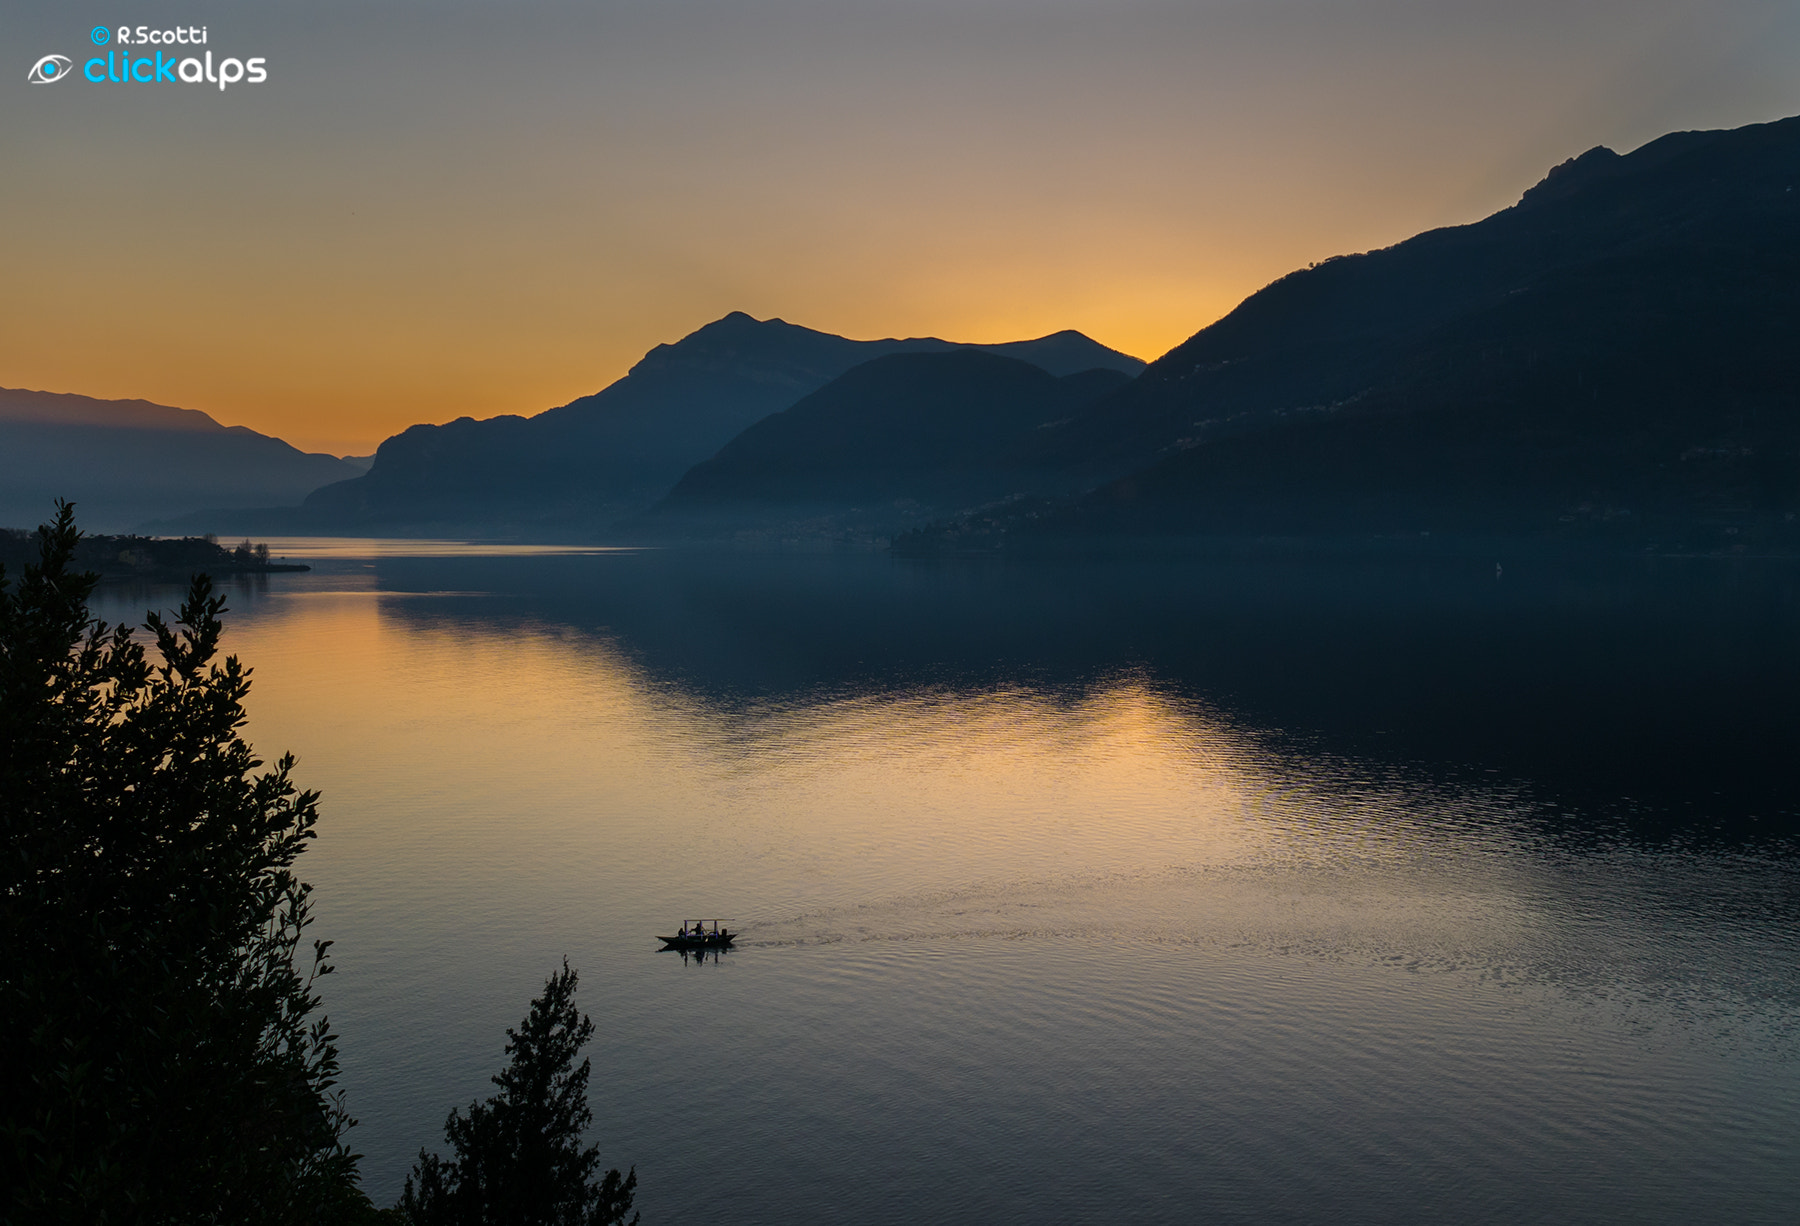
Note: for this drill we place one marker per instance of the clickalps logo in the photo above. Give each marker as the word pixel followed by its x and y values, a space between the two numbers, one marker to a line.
pixel 156 61
pixel 51 68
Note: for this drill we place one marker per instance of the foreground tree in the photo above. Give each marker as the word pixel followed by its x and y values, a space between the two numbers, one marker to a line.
pixel 518 1158
pixel 162 1056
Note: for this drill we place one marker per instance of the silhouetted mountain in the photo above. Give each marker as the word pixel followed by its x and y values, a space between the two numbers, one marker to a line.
pixel 127 461
pixel 580 467
pixel 888 444
pixel 1612 359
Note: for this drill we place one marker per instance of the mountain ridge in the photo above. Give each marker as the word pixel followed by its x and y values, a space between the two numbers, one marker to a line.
pixel 1614 351
pixel 129 461
pixel 574 469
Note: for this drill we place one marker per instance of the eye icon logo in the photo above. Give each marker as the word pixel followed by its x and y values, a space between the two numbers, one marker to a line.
pixel 51 68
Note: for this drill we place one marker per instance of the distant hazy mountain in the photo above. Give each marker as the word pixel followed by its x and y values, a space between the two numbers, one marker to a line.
pixel 889 444
pixel 1615 359
pixel 127 461
pixel 584 465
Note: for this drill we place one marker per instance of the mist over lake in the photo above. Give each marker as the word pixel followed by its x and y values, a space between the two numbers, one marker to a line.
pixel 1068 891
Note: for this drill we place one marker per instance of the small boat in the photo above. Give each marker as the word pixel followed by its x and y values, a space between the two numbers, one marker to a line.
pixel 694 936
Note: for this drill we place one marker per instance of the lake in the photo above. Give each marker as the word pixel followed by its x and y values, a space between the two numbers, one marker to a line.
pixel 1150 891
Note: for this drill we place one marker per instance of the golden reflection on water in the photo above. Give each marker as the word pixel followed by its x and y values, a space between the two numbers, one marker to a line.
pixel 1257 962
pixel 314 548
pixel 544 768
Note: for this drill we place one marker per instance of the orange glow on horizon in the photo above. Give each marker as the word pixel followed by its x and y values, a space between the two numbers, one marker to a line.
pixel 381 237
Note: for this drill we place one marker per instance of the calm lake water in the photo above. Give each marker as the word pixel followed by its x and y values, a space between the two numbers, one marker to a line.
pixel 1151 892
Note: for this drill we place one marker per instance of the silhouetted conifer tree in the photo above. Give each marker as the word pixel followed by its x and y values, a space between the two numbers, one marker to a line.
pixel 160 1057
pixel 518 1158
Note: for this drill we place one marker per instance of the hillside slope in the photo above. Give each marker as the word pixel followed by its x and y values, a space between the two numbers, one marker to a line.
pixel 1613 360
pixel 128 461
pixel 579 467
pixel 886 445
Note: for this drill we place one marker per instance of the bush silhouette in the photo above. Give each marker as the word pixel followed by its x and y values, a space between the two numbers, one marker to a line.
pixel 518 1158
pixel 164 1060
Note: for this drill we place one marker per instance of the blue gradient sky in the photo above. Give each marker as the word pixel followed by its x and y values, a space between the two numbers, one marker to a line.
pixel 437 209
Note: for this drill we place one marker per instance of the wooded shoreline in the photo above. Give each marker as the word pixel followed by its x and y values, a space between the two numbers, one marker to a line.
pixel 148 557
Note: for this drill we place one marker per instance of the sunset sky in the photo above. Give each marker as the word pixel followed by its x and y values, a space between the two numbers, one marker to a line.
pixel 476 207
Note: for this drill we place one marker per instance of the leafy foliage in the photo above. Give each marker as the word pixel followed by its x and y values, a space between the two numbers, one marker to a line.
pixel 518 1157
pixel 163 1057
